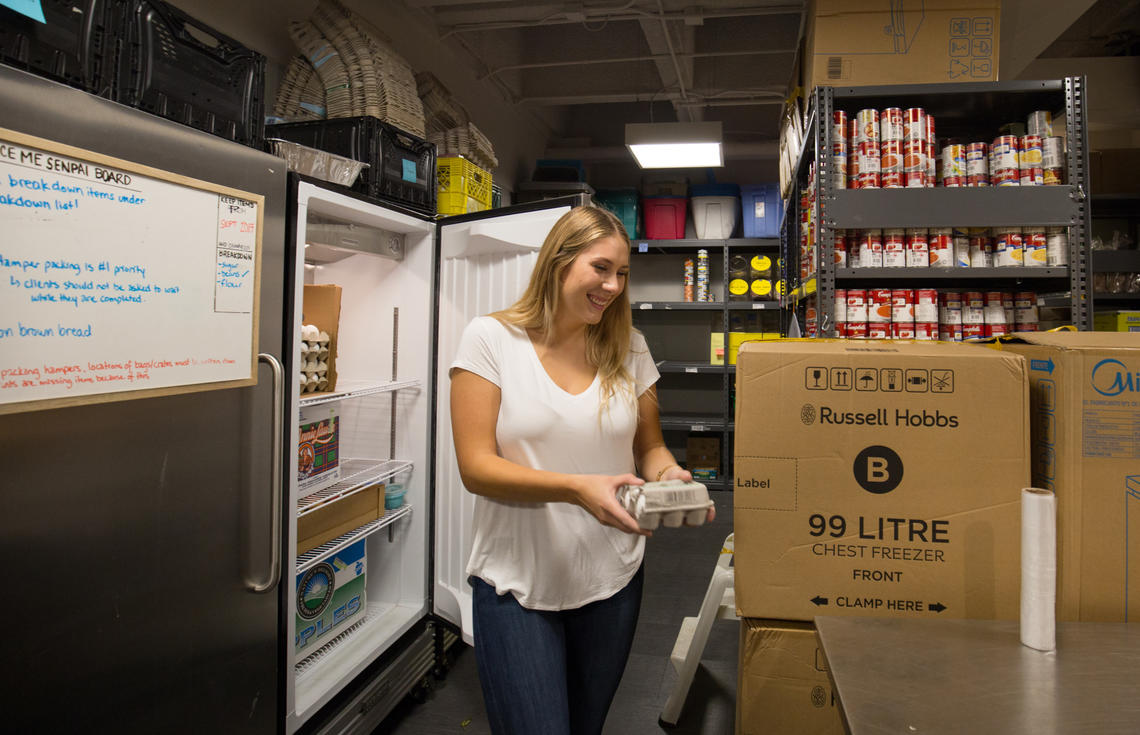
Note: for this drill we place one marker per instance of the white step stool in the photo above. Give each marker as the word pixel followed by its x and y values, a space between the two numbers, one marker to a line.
pixel 719 604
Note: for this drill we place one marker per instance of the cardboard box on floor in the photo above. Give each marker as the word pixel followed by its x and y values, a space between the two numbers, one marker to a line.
pixel 321 307
pixel 879 478
pixel 1085 413
pixel 860 42
pixel 782 681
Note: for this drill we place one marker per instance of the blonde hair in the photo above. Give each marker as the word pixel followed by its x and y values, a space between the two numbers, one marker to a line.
pixel 608 341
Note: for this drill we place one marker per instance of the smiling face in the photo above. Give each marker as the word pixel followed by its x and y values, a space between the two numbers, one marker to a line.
pixel 593 280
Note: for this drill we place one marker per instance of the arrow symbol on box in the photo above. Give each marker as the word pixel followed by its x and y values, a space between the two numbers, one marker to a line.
pixel 819 600
pixel 937 607
pixel 1045 366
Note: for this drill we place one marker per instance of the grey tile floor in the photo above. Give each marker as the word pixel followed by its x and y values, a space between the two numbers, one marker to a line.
pixel 678 565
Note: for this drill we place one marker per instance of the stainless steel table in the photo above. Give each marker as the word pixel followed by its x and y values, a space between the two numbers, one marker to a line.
pixel 974 676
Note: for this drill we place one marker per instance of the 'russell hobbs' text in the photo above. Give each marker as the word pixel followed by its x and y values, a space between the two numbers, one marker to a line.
pixel 883 417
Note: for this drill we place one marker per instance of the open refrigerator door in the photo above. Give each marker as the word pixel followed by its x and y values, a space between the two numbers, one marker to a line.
pixel 359 418
pixel 485 263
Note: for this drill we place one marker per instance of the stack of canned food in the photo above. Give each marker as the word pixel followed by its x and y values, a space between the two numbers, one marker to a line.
pixel 948 247
pixel 807 225
pixel 897 148
pixel 931 314
pixel 695 286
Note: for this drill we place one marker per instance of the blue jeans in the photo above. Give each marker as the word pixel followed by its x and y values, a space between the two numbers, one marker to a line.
pixel 552 672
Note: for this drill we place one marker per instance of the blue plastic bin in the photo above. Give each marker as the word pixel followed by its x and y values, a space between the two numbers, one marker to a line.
pixel 761 209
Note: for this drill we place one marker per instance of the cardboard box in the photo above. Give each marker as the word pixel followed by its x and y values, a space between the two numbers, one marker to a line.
pixel 1116 321
pixel 1085 389
pixel 735 339
pixel 321 307
pixel 870 42
pixel 782 681
pixel 702 457
pixel 329 594
pixel 879 478
pixel 337 518
pixel 318 448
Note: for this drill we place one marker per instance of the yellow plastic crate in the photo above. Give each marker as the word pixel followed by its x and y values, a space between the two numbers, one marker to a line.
pixel 457 176
pixel 458 203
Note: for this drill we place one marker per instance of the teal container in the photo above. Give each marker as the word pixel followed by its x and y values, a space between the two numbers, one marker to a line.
pixel 394 495
pixel 623 203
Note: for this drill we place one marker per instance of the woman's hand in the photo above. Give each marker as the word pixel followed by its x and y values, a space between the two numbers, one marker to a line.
pixel 678 473
pixel 598 495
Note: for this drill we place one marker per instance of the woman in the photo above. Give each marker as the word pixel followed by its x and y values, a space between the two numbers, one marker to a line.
pixel 553 410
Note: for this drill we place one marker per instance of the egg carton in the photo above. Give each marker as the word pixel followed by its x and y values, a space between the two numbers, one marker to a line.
pixel 670 502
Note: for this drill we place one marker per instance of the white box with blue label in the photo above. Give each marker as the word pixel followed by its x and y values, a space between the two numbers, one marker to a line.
pixel 330 596
pixel 1085 418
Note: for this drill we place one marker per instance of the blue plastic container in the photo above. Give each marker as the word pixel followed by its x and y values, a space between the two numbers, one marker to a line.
pixel 761 209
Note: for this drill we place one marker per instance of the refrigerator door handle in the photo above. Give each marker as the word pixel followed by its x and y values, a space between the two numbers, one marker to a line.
pixel 275 476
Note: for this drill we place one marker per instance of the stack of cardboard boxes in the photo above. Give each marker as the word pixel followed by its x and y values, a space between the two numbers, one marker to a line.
pixel 884 479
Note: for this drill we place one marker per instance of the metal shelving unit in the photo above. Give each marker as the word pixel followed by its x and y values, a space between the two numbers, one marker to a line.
pixel 712 422
pixel 962 111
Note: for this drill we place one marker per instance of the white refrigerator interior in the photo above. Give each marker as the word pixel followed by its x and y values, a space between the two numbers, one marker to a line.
pixel 385 263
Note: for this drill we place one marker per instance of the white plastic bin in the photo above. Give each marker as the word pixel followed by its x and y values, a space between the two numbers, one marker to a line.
pixel 714 217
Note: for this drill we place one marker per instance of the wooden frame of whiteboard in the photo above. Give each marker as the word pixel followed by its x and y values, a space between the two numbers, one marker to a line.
pixel 82 154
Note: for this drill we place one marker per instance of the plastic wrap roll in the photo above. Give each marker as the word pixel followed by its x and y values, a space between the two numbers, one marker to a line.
pixel 1038 569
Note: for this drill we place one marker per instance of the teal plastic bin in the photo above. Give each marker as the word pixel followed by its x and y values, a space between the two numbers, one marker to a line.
pixel 623 203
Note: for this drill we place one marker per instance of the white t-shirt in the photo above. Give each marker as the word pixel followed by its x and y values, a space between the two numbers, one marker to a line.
pixel 552 556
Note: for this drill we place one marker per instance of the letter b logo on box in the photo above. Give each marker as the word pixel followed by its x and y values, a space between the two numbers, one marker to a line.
pixel 878 469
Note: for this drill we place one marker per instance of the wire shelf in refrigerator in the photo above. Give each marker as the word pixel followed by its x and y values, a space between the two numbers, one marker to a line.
pixel 320 672
pixel 358 389
pixel 310 558
pixel 307 663
pixel 359 474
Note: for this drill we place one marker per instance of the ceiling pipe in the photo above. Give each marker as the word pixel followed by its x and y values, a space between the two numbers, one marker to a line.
pixel 696 98
pixel 672 51
pixel 629 59
pixel 563 19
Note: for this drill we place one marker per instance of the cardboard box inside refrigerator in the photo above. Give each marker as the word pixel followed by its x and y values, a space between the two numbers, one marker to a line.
pixel 321 308
pixel 338 517
pixel 879 478
pixel 330 594
pixel 1085 414
pixel 870 42
pixel 318 448
pixel 782 682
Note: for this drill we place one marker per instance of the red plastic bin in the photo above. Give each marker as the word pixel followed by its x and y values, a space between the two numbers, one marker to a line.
pixel 664 217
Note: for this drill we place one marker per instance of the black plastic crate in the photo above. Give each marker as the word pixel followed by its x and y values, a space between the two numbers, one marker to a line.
pixel 401 167
pixel 179 68
pixel 78 44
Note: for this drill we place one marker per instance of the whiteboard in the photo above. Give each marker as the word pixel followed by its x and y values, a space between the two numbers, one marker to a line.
pixel 120 281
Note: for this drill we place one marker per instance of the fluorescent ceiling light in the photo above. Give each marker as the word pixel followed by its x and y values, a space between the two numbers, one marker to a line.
pixel 675 145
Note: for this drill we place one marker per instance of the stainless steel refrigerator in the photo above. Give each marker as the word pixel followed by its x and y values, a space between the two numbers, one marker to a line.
pixel 141 532
pixel 154 574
